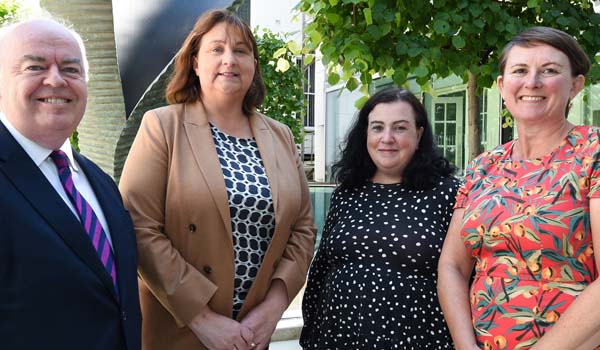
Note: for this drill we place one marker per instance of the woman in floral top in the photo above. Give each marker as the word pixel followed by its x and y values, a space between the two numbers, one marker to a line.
pixel 528 213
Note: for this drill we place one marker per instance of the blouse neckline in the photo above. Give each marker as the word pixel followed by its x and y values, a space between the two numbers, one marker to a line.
pixel 246 139
pixel 509 149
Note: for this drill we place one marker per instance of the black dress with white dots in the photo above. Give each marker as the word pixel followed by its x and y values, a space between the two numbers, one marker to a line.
pixel 372 284
pixel 250 208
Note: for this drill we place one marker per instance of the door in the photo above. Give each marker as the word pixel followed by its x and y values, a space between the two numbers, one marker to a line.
pixel 448 121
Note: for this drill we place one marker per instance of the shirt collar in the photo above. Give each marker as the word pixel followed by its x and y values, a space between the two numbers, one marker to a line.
pixel 35 151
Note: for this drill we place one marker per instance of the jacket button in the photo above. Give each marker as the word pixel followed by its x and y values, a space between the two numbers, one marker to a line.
pixel 207 269
pixel 124 315
pixel 192 228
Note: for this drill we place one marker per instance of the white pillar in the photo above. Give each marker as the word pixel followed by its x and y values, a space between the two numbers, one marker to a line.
pixel 320 119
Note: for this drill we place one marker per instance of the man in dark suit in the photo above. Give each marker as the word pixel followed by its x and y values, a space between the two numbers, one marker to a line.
pixel 67 248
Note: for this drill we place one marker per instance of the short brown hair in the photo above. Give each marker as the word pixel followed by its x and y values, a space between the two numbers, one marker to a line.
pixel 184 86
pixel 578 60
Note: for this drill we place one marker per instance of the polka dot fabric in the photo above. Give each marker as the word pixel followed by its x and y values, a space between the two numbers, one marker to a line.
pixel 372 284
pixel 250 208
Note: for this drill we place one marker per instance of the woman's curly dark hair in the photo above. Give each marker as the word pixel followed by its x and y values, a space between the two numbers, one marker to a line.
pixel 356 167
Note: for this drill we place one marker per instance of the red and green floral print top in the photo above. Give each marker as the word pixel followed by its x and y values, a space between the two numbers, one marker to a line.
pixel 527 225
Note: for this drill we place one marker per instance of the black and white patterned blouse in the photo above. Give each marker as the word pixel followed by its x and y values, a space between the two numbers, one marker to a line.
pixel 250 207
pixel 372 284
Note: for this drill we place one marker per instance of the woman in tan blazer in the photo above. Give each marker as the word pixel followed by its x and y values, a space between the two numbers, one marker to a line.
pixel 219 201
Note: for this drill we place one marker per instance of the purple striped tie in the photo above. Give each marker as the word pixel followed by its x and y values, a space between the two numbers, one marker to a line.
pixel 88 218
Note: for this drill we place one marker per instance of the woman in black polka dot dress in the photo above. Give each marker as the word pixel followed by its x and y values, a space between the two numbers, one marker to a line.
pixel 372 284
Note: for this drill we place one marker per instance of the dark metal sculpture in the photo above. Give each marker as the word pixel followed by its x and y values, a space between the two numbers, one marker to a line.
pixel 148 34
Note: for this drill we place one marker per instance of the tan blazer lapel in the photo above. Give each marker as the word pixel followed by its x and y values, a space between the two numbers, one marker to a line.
pixel 268 153
pixel 203 149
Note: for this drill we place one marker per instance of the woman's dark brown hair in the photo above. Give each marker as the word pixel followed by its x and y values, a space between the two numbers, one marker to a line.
pixel 184 86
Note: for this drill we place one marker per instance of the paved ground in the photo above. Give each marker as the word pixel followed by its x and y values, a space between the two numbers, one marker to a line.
pixel 285 345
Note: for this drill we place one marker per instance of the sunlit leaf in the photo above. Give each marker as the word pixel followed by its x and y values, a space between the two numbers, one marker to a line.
pixel 361 102
pixel 368 16
pixel 280 52
pixel 308 59
pixel 282 65
pixel 293 46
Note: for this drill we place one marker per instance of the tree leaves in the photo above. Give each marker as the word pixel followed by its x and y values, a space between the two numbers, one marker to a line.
pixel 282 65
pixel 283 79
pixel 391 37
pixel 458 42
pixel 452 34
pixel 9 10
pixel 440 26
pixel 368 16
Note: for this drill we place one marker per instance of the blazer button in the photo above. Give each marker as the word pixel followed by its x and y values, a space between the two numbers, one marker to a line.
pixel 207 269
pixel 192 228
pixel 124 315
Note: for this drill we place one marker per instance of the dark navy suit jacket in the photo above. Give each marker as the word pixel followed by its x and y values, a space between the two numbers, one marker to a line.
pixel 54 291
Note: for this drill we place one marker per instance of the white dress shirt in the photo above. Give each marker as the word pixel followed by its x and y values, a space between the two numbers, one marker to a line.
pixel 41 157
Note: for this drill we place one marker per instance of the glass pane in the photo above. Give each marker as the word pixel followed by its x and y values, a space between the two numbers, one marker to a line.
pixel 450 154
pixel 451 111
pixel 438 133
pixel 450 134
pixel 309 120
pixel 439 112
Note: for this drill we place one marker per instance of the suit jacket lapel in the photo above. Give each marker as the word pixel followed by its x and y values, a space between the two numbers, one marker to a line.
pixel 114 215
pixel 268 153
pixel 203 149
pixel 27 178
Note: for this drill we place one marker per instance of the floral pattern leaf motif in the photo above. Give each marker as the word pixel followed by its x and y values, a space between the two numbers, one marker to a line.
pixel 501 298
pixel 577 217
pixel 532 235
pixel 526 344
pixel 567 273
pixel 520 316
pixel 572 181
pixel 573 289
pixel 527 226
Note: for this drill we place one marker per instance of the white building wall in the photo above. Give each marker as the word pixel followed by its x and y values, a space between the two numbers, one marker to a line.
pixel 276 16
pixel 280 17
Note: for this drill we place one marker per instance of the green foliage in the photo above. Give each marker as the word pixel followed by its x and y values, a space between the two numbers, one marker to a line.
pixel 74 139
pixel 283 78
pixel 359 38
pixel 507 119
pixel 8 10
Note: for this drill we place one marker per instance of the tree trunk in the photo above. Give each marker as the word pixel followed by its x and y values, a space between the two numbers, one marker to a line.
pixel 473 112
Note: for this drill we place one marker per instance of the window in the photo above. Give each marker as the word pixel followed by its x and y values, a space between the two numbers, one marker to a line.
pixel 309 93
pixel 447 119
pixel 483 118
